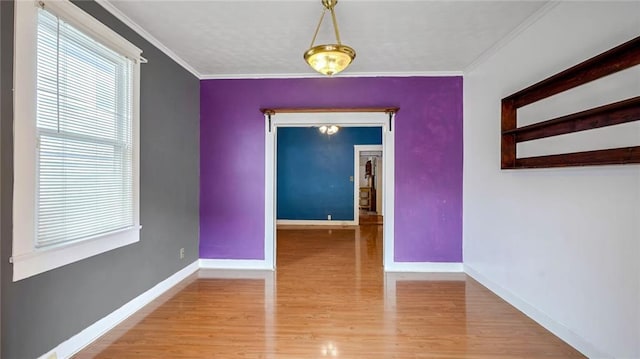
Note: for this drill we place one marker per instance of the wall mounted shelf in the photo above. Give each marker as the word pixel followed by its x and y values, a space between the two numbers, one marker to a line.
pixel 609 62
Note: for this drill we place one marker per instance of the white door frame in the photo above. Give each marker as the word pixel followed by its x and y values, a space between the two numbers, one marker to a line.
pixel 356 180
pixel 344 119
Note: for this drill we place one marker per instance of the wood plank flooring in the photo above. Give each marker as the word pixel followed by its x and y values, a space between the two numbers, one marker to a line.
pixel 367 217
pixel 329 298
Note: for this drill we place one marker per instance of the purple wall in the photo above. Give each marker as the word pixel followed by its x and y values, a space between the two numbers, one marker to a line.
pixel 428 159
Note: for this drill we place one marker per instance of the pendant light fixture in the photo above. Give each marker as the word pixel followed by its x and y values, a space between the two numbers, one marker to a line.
pixel 331 58
pixel 329 130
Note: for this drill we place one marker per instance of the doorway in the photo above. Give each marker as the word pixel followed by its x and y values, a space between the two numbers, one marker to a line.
pixel 368 186
pixel 274 119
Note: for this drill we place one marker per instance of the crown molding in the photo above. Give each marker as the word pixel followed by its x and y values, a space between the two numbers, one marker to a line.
pixel 348 74
pixel 107 5
pixel 488 53
pixel 484 56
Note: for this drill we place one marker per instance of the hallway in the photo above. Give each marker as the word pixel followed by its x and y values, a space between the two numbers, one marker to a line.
pixel 329 299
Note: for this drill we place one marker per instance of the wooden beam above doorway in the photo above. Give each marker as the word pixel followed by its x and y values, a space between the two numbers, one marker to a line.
pixel 273 111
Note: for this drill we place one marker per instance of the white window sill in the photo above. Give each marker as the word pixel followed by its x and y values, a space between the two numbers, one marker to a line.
pixel 41 260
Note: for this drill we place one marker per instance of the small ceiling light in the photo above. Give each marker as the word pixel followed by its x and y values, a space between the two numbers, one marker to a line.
pixel 329 130
pixel 331 58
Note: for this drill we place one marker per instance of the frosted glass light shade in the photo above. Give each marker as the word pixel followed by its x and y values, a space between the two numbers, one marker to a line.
pixel 329 59
pixel 329 130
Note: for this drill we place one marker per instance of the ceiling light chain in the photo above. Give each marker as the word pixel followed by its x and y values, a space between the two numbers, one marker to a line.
pixel 324 11
pixel 335 24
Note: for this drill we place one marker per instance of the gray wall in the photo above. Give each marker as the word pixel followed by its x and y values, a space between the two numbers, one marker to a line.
pixel 1 116
pixel 42 311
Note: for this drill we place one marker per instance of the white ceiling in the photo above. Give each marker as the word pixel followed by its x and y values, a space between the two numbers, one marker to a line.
pixel 267 38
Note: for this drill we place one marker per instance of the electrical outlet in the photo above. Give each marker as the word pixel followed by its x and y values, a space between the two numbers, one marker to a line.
pixel 328 217
pixel 181 253
pixel 350 178
pixel 53 356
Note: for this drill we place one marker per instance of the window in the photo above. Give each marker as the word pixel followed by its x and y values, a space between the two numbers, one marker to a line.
pixel 75 150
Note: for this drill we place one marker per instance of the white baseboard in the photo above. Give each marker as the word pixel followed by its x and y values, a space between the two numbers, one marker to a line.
pixel 255 264
pixel 97 329
pixel 421 267
pixel 320 222
pixel 539 317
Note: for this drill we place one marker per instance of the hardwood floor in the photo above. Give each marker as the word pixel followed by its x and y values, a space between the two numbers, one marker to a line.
pixel 367 217
pixel 328 299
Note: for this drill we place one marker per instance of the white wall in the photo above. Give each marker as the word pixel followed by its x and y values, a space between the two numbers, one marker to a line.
pixel 563 245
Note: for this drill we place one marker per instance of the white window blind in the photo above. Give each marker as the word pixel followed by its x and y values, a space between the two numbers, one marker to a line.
pixel 84 136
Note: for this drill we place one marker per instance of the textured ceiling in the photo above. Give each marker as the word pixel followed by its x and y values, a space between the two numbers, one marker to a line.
pixel 268 38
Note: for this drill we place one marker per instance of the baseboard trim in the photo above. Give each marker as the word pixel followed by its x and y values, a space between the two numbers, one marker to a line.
pixel 320 222
pixel 79 341
pixel 558 329
pixel 254 264
pixel 423 267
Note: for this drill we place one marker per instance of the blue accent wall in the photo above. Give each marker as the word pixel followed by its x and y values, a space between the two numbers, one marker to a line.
pixel 313 171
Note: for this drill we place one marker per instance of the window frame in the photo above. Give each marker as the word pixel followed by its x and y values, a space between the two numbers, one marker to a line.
pixel 27 259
